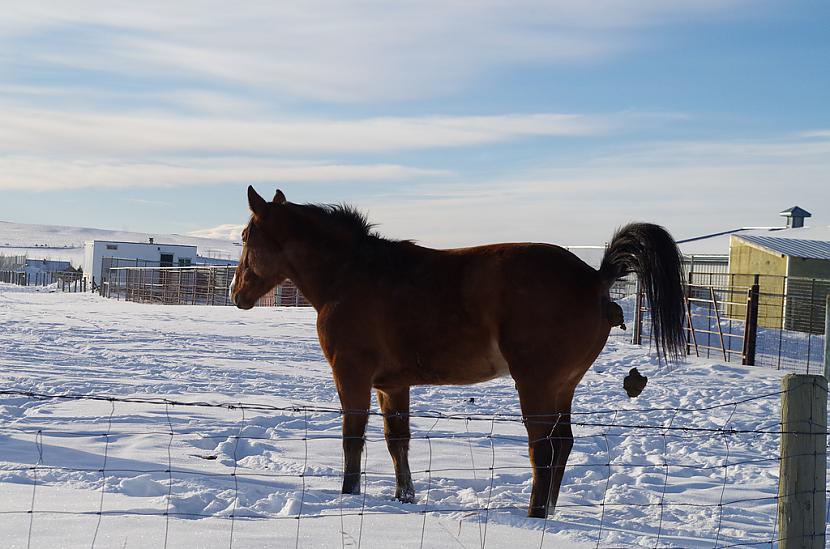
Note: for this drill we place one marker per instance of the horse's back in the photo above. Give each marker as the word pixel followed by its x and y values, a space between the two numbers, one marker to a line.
pixel 485 287
pixel 528 275
pixel 536 263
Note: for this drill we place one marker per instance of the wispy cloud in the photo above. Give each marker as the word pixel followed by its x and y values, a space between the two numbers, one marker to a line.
pixel 681 185
pixel 226 231
pixel 51 148
pixel 147 202
pixel 39 174
pixel 820 134
pixel 337 51
pixel 52 131
pixel 55 148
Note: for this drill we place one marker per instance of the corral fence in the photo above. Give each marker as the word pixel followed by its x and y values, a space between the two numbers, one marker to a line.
pixel 750 473
pixel 66 281
pixel 12 262
pixel 194 285
pixel 751 319
pixel 111 262
pixel 772 321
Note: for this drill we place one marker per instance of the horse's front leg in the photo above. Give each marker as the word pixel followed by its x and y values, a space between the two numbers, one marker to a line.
pixel 395 407
pixel 354 401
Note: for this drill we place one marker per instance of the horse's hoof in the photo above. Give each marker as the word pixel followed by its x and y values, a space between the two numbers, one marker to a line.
pixel 407 495
pixel 351 488
pixel 537 512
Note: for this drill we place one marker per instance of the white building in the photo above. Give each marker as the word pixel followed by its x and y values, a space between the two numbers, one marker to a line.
pixel 139 253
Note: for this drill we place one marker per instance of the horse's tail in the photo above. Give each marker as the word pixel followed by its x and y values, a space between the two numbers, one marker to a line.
pixel 650 251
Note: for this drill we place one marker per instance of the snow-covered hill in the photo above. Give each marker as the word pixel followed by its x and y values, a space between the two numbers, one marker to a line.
pixel 58 242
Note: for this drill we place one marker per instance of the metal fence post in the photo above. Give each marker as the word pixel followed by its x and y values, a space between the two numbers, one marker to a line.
pixel 751 323
pixel 637 338
pixel 827 338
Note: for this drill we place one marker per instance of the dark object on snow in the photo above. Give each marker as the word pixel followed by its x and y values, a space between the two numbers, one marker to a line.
pixel 634 383
pixel 471 400
pixel 615 314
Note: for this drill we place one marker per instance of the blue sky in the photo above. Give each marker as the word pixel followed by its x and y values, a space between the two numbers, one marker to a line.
pixel 452 123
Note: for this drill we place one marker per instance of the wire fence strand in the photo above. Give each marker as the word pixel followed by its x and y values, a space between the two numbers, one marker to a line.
pixel 600 432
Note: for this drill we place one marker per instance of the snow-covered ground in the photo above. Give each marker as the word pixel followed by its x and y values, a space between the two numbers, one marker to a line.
pixel 241 478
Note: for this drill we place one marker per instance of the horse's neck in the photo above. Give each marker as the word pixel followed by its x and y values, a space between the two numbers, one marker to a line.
pixel 315 271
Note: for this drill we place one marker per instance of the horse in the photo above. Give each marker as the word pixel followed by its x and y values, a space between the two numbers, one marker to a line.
pixel 393 314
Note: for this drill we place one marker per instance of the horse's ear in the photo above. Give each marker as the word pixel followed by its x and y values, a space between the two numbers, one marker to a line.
pixel 257 204
pixel 279 198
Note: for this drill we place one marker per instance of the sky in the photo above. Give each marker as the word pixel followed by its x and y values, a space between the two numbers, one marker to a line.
pixel 450 123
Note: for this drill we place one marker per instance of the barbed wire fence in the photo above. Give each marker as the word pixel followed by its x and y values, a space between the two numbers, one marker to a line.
pixel 635 489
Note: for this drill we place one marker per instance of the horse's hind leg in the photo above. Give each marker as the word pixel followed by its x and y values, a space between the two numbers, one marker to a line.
pixel 563 441
pixel 550 439
pixel 395 407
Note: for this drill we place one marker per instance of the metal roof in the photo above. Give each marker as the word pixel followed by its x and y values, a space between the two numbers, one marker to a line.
pixel 795 211
pixel 716 243
pixel 793 247
pixel 96 241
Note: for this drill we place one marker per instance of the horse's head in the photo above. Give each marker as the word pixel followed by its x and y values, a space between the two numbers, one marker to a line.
pixel 262 264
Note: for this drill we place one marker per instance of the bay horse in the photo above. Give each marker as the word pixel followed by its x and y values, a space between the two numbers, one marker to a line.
pixel 392 314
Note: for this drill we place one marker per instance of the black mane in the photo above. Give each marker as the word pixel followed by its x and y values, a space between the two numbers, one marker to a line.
pixel 345 216
pixel 371 250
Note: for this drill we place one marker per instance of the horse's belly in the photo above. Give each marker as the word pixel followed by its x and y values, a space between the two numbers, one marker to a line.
pixel 466 368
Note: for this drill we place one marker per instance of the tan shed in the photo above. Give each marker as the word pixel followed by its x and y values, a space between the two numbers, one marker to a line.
pixel 792 262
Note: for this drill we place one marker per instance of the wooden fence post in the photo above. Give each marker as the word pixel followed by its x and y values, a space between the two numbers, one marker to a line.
pixel 803 467
pixel 803 471
pixel 751 323
pixel 802 501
